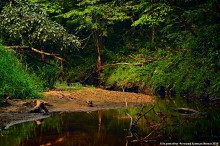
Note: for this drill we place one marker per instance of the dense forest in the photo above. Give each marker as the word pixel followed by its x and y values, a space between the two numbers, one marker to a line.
pixel 168 47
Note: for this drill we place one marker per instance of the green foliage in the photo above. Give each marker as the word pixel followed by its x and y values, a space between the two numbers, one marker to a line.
pixel 95 15
pixel 178 72
pixel 16 82
pixel 48 75
pixel 19 133
pixel 188 61
pixel 152 13
pixel 183 74
pixel 28 24
pixel 81 71
pixel 51 8
pixel 76 86
pixel 182 37
pixel 122 76
pixel 71 86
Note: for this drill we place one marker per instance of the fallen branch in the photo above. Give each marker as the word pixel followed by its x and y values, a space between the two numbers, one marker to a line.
pixel 133 124
pixel 134 58
pixel 35 50
pixel 40 60
pixel 130 64
pixel 143 115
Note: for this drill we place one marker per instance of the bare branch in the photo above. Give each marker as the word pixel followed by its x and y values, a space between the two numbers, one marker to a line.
pixel 131 64
pixel 35 50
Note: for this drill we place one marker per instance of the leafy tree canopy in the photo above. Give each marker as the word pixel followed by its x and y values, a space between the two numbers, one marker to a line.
pixel 95 15
pixel 27 24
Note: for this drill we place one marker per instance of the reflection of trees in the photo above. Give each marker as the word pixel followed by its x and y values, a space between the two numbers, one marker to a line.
pixel 152 123
pixel 16 134
pixel 53 124
pixel 19 134
pixel 99 123
pixel 94 128
pixel 161 123
pixel 68 128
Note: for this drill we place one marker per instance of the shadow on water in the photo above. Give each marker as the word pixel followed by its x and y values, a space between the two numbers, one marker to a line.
pixel 164 122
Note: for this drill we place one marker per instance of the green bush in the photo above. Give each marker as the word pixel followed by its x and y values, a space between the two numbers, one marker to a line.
pixel 15 81
pixel 181 72
pixel 48 75
pixel 184 74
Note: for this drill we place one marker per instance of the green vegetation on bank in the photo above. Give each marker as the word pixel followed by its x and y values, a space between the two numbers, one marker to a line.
pixel 167 46
pixel 179 73
pixel 73 86
pixel 16 81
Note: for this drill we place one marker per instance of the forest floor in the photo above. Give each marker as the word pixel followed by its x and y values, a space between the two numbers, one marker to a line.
pixel 69 100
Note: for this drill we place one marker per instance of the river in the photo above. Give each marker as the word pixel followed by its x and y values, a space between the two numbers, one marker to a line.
pixel 166 122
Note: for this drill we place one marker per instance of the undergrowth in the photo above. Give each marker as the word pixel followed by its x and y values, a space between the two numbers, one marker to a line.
pixel 47 74
pixel 15 80
pixel 70 86
pixel 180 72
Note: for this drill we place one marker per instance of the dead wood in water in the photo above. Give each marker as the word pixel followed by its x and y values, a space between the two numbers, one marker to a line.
pixel 186 111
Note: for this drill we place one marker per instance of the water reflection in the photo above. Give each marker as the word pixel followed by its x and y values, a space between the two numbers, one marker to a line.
pixel 111 127
pixel 101 128
pixel 165 122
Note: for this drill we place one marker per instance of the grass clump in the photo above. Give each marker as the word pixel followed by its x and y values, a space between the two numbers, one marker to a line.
pixel 16 82
pixel 71 86
pixel 122 76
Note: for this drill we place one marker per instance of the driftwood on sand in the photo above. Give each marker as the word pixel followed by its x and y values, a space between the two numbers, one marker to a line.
pixel 40 107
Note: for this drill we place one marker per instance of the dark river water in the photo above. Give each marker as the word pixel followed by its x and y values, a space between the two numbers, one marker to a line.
pixel 154 124
pixel 100 128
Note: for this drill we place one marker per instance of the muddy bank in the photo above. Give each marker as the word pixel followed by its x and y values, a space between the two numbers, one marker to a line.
pixel 70 100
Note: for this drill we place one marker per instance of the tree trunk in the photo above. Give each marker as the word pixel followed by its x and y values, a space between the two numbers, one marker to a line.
pixel 99 59
pixel 153 33
pixel 153 28
pixel 99 47
pixel 42 56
